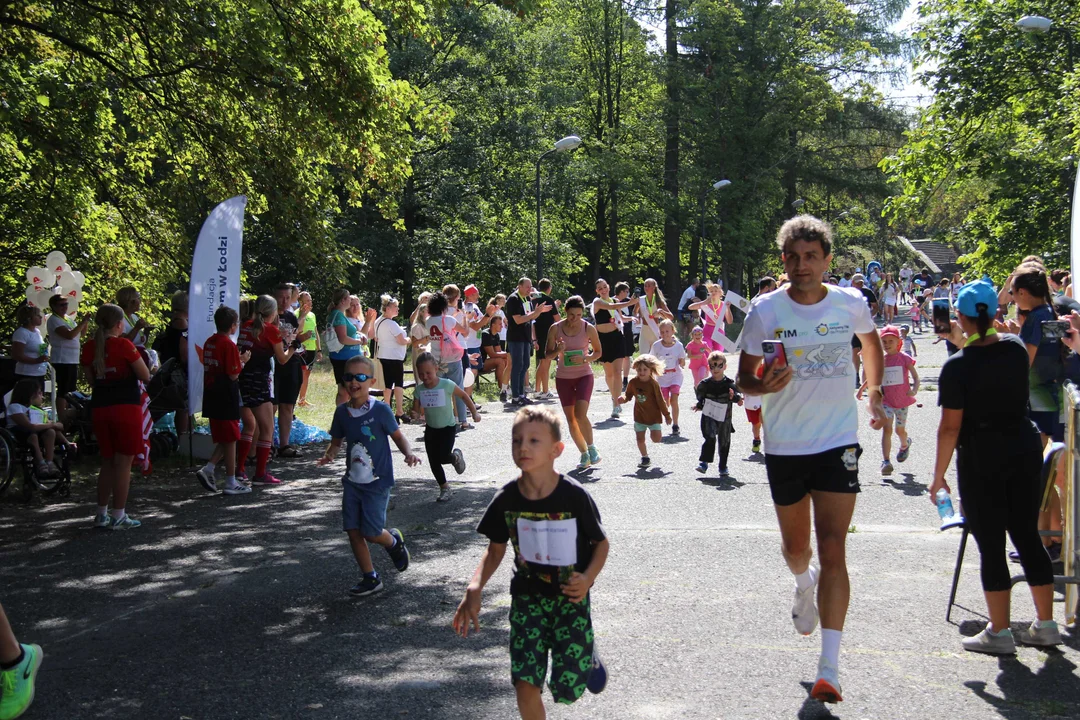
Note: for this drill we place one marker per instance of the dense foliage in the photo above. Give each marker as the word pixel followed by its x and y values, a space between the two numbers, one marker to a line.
pixel 392 145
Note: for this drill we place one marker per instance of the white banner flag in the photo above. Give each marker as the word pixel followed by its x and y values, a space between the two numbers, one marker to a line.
pixel 215 281
pixel 1074 247
pixel 738 301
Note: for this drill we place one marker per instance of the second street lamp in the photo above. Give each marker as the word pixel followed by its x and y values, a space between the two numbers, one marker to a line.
pixel 570 142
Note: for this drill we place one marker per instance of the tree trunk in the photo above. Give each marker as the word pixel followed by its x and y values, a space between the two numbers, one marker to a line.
pixel 600 231
pixel 618 273
pixel 671 153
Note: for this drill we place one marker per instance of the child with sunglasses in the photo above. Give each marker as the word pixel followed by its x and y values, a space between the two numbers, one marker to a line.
pixel 715 396
pixel 367 426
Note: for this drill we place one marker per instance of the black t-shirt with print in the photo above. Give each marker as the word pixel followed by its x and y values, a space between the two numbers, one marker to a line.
pixel 289 326
pixel 869 296
pixel 569 501
pixel 515 331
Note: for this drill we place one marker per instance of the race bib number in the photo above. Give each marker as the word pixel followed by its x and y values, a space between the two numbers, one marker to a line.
pixel 549 542
pixel 671 362
pixel 893 376
pixel 434 398
pixel 715 410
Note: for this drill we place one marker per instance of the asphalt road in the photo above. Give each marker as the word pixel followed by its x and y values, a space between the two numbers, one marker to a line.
pixel 237 607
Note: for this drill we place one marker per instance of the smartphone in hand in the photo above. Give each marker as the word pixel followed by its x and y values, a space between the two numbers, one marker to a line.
pixel 942 321
pixel 775 355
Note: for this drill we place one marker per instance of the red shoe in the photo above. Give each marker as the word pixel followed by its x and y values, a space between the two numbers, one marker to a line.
pixel 266 479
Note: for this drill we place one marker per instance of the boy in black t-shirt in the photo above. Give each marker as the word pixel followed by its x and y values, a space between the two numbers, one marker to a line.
pixel 559 548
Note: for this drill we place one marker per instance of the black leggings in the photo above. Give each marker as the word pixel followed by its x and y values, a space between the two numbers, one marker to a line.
pixel 713 431
pixel 1001 493
pixel 439 445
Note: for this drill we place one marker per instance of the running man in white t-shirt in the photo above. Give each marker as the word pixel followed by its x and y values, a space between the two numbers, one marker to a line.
pixel 811 425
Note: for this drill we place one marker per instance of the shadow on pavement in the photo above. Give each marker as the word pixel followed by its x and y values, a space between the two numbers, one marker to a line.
pixel 728 483
pixel 813 709
pixel 909 486
pixel 1050 691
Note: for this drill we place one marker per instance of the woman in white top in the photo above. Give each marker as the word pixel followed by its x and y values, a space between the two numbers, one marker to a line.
pixel 133 327
pixel 391 344
pixel 27 347
pixel 957 283
pixel 890 292
pixel 64 334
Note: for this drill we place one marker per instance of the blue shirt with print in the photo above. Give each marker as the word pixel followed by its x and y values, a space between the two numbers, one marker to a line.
pixel 1045 374
pixel 371 426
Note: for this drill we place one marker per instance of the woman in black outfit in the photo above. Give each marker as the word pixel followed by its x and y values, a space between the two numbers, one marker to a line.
pixel 608 321
pixel 983 396
pixel 173 344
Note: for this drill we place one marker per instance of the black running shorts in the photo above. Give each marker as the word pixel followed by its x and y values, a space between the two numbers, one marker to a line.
pixel 791 477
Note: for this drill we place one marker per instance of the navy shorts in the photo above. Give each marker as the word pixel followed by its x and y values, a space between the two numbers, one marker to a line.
pixel 364 508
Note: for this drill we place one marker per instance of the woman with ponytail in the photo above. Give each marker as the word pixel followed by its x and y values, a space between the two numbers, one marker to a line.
pixel 262 338
pixel 347 334
pixel 1031 293
pixel 114 368
pixel 983 396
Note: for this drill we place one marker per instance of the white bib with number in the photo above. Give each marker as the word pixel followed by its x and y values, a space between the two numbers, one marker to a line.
pixel 715 410
pixel 433 398
pixel 548 542
pixel 893 376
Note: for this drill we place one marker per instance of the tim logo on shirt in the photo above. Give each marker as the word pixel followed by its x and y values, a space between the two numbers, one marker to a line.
pixel 781 333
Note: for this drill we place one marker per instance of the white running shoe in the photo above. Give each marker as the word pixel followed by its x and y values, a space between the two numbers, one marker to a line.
pixel 237 489
pixel 991 643
pixel 804 612
pixel 827 686
pixel 1046 636
pixel 445 493
pixel 207 480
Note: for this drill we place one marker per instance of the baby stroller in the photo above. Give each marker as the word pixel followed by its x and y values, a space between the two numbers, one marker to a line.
pixel 14 452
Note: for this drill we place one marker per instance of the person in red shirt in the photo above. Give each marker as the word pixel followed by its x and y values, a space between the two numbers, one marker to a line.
pixel 222 363
pixel 114 368
pixel 262 338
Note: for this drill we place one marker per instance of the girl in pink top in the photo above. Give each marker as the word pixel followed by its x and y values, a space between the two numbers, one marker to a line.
pixel 698 352
pixel 899 388
pixel 570 341
pixel 713 312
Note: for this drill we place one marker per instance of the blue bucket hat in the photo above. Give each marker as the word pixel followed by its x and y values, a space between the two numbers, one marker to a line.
pixel 974 294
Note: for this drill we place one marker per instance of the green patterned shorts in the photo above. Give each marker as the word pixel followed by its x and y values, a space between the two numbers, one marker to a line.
pixel 539 623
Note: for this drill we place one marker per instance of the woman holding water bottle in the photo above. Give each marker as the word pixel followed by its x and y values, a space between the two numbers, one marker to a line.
pixel 983 397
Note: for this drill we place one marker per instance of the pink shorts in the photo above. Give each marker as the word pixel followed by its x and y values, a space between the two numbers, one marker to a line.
pixel 754 416
pixel 574 390
pixel 667 392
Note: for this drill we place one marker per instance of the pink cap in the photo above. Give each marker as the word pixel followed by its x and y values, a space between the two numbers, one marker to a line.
pixel 890 330
pixel 471 290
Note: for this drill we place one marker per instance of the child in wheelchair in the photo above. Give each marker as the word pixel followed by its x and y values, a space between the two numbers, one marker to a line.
pixel 27 422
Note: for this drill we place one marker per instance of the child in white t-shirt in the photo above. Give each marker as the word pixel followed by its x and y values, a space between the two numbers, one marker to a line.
pixel 27 422
pixel 672 353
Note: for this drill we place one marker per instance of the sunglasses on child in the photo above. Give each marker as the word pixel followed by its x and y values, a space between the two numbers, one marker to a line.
pixel 717 363
pixel 359 377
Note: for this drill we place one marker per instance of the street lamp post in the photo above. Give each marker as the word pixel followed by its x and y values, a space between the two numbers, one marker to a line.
pixel 1039 25
pixel 570 142
pixel 718 185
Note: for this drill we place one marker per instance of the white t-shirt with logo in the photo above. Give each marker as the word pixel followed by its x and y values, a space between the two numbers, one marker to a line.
pixel 670 357
pixel 472 314
pixel 442 324
pixel 32 341
pixel 64 351
pixel 817 411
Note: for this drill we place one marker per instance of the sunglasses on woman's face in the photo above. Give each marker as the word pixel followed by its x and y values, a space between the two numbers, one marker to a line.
pixel 359 377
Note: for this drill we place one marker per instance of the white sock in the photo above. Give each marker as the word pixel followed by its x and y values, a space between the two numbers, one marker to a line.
pixel 102 509
pixel 209 468
pixel 231 481
pixel 806 580
pixel 117 514
pixel 830 645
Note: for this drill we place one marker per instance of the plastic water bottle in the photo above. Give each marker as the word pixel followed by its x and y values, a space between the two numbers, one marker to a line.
pixel 944 505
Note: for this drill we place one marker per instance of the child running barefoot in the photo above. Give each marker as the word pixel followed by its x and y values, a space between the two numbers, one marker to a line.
pixel 650 405
pixel 367 426
pixel 27 421
pixel 436 395
pixel 898 395
pixel 672 354
pixel 222 364
pixel 547 516
pixel 714 398
pixel 698 352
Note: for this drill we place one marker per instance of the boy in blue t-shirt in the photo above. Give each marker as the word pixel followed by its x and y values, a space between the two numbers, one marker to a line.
pixel 366 425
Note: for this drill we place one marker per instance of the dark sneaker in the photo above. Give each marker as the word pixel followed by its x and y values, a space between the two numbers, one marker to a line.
pixel 756 447
pixel 904 452
pixel 366 586
pixel 502 396
pixel 458 461
pixel 624 383
pixel 400 552
pixel 597 679
pixel 674 429
pixel 724 472
pixel 645 462
pixel 703 467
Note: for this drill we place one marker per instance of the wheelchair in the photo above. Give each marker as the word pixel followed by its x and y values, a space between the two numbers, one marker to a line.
pixel 15 453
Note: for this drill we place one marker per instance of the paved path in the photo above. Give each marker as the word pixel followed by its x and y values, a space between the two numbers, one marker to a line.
pixel 236 607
